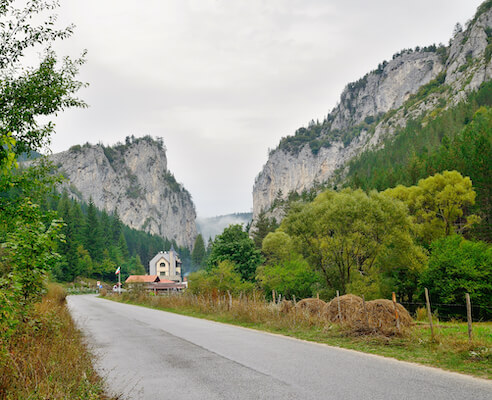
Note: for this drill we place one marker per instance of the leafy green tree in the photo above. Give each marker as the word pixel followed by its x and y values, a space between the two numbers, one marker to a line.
pixel 351 232
pixel 32 250
pixel 439 204
pixel 199 254
pixel 291 277
pixel 219 280
pixel 278 247
pixel 28 234
pixel 285 270
pixel 235 245
pixel 458 266
pixel 26 93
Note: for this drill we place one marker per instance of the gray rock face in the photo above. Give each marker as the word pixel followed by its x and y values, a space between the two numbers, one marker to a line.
pixel 133 179
pixel 386 88
pixel 466 67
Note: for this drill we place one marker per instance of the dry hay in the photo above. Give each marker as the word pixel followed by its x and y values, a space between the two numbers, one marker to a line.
pixel 350 308
pixel 286 306
pixel 381 314
pixel 311 305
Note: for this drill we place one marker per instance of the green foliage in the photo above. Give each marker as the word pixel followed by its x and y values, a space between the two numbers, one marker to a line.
pixel 218 281
pixel 235 245
pixel 96 243
pixel 373 286
pixel 199 254
pixel 28 238
pixel 456 139
pixel 290 277
pixel 482 8
pixel 320 135
pixel 458 266
pixel 434 86
pixel 28 93
pixel 277 247
pixel 438 204
pixel 262 226
pixel 350 232
pixel 173 183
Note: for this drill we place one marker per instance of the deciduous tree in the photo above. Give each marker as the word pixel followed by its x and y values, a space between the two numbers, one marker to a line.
pixel 351 232
pixel 235 245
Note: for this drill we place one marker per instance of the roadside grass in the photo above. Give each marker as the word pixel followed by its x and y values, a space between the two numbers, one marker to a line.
pixel 83 285
pixel 46 358
pixel 449 349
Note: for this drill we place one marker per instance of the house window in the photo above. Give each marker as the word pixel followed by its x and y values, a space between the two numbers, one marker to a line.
pixel 163 273
pixel 162 265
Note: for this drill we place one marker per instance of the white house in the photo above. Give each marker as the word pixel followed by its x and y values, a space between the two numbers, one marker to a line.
pixel 166 265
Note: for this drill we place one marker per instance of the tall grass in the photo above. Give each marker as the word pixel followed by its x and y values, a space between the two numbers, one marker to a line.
pixel 248 310
pixel 46 358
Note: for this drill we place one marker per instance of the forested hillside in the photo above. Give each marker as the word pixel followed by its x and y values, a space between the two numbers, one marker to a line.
pixel 459 138
pixel 96 243
pixel 133 178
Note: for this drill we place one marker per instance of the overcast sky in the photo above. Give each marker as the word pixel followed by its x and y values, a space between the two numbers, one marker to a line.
pixel 223 80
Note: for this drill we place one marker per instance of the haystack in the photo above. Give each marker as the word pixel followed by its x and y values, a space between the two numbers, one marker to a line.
pixel 313 306
pixel 286 306
pixel 350 308
pixel 381 314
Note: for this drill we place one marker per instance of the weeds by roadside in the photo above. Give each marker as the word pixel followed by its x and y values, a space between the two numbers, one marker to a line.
pixel 46 358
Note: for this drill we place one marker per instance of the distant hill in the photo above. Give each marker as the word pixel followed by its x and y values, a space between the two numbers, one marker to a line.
pixel 210 227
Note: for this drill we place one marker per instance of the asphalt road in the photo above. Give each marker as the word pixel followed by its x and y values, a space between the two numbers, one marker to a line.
pixel 150 354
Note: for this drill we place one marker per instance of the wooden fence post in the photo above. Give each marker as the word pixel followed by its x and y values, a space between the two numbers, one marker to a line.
pixel 365 311
pixel 429 313
pixel 273 295
pixel 469 316
pixel 339 308
pixel 397 317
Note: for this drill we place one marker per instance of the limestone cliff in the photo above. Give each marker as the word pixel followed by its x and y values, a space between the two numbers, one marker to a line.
pixel 132 178
pixel 414 83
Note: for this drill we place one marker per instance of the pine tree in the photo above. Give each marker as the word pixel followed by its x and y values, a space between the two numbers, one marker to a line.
pixel 92 234
pixel 69 265
pixel 116 227
pixel 106 230
pixel 262 227
pixel 123 247
pixel 199 253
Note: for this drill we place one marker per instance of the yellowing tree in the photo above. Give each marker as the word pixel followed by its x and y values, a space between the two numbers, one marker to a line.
pixel 438 204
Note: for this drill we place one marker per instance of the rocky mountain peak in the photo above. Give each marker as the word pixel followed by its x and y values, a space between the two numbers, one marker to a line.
pixel 133 178
pixel 414 83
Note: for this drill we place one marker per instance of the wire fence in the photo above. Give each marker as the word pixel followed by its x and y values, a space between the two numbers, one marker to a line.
pixel 446 312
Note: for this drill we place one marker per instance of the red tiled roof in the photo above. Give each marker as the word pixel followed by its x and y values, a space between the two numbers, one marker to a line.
pixel 142 278
pixel 165 281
